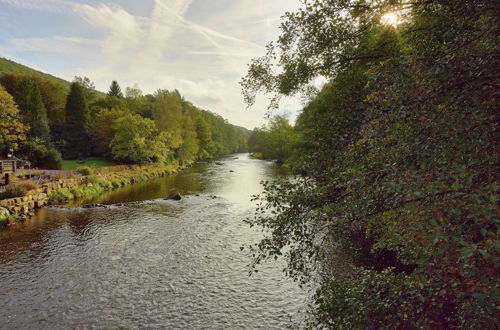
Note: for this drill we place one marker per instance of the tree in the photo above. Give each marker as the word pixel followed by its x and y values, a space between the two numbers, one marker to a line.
pixel 88 88
pixel 190 145
pixel 133 92
pixel 396 215
pixel 54 99
pixel 115 90
pixel 137 140
pixel 167 113
pixel 104 130
pixel 276 140
pixel 12 130
pixel 204 135
pixel 77 123
pixel 32 109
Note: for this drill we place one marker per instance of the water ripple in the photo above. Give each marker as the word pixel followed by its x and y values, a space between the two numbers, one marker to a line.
pixel 157 264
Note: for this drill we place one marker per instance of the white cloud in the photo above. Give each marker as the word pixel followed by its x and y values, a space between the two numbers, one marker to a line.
pixel 64 45
pixel 56 6
pixel 200 47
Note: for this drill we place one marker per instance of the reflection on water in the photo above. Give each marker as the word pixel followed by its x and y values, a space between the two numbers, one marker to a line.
pixel 157 264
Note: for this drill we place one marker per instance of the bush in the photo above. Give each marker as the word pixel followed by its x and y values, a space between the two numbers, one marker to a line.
pixel 51 160
pixel 60 196
pixel 18 189
pixel 84 170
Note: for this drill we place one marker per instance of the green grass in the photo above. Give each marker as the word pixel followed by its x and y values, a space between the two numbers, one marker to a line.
pixel 72 165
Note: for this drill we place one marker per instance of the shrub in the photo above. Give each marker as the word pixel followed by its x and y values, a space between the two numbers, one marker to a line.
pixel 84 170
pixel 257 155
pixel 51 160
pixel 60 196
pixel 18 189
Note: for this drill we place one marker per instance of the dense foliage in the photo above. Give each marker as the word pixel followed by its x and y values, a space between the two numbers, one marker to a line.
pixel 397 211
pixel 275 140
pixel 136 128
pixel 77 129
pixel 12 130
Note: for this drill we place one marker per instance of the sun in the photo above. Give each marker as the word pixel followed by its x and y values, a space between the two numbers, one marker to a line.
pixel 391 19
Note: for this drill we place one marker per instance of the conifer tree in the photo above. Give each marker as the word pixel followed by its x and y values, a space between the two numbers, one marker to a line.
pixel 115 90
pixel 33 111
pixel 77 123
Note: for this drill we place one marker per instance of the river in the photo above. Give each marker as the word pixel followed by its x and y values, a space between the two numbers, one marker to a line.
pixel 151 265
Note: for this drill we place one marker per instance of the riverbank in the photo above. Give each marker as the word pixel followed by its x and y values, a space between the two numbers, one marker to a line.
pixel 80 188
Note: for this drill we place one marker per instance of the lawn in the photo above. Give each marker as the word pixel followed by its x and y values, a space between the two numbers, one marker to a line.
pixel 71 165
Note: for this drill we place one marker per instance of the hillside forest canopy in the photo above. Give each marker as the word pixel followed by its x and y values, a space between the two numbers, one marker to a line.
pixel 393 212
pixel 44 121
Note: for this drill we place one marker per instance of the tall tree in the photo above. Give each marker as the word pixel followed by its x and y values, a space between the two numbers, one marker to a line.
pixel 88 87
pixel 54 99
pixel 77 123
pixel 137 140
pixel 12 130
pixel 190 144
pixel 133 92
pixel 103 129
pixel 33 111
pixel 167 113
pixel 115 90
pixel 204 135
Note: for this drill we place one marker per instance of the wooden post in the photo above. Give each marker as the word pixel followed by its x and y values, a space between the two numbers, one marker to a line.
pixel 7 178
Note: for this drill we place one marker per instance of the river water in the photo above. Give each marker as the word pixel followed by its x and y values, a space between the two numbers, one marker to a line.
pixel 151 265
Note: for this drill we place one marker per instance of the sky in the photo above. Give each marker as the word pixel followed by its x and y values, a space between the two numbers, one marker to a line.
pixel 200 47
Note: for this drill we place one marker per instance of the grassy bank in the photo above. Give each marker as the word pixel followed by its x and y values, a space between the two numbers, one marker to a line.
pixel 107 179
pixel 72 165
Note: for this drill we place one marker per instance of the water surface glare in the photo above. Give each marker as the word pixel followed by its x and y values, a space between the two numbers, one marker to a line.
pixel 151 265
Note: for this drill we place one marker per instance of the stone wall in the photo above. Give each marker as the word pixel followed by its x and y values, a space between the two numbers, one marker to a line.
pixel 22 207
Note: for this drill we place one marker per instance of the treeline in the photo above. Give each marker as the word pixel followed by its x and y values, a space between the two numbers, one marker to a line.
pixel 396 211
pixel 43 122
pixel 276 141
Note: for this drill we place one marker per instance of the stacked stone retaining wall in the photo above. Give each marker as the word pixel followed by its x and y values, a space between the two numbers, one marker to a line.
pixel 22 207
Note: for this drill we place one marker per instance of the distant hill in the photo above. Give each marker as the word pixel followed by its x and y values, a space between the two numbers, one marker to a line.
pixel 8 66
pixel 244 129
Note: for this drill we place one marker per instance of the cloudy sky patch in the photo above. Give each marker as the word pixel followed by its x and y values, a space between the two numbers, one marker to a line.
pixel 200 47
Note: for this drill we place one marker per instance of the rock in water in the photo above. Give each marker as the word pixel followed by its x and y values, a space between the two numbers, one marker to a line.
pixel 175 196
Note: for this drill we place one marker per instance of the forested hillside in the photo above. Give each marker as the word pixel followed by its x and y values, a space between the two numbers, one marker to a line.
pixel 395 211
pixel 44 119
pixel 11 67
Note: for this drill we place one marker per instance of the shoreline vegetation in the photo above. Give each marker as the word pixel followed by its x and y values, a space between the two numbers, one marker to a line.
pixel 393 212
pixel 91 183
pixel 107 179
